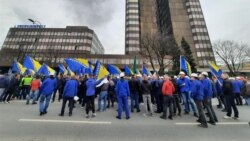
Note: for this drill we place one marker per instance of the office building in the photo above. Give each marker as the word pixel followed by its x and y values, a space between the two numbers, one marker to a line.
pixel 49 44
pixel 180 18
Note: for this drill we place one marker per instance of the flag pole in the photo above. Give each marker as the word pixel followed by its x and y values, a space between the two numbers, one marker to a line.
pixel 214 74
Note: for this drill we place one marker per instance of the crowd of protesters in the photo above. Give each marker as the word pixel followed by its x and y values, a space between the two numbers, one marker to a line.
pixel 147 94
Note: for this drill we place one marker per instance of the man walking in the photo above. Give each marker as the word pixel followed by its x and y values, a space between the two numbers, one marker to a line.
pixel 184 86
pixel 35 85
pixel 227 88
pixel 167 91
pixel 90 96
pixel 25 83
pixel 47 89
pixel 197 93
pixel 208 94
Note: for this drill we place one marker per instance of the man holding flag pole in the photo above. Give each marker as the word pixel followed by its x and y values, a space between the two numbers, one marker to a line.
pixel 185 86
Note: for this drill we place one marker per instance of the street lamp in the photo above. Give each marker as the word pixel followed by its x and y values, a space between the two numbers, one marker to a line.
pixel 36 39
pixel 34 22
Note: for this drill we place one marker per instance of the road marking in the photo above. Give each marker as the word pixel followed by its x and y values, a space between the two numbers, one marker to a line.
pixel 219 123
pixel 64 121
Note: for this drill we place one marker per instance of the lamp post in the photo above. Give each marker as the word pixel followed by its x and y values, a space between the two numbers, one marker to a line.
pixel 34 21
pixel 36 39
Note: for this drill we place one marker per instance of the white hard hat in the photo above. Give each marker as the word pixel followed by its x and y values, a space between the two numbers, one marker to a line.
pixel 205 73
pixel 138 75
pixel 122 74
pixel 194 75
pixel 182 72
pixel 52 73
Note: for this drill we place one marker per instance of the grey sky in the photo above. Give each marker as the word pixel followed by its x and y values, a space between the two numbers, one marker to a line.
pixel 226 19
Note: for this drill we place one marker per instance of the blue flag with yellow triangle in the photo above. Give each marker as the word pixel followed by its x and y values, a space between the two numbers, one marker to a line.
pixel 100 71
pixel 185 66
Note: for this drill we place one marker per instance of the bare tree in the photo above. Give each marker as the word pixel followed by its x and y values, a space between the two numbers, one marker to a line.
pixel 231 54
pixel 147 45
pixel 158 49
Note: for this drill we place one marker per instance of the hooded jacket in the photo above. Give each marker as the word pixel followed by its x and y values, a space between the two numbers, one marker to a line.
pixel 71 88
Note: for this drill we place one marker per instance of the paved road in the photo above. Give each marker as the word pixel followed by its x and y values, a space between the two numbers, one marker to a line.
pixel 20 122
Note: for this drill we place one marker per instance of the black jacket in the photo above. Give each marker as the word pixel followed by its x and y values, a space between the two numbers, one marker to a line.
pixel 134 86
pixel 146 87
pixel 227 87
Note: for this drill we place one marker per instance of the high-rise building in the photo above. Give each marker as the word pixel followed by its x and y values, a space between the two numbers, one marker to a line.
pixel 181 18
pixel 140 21
pixel 132 34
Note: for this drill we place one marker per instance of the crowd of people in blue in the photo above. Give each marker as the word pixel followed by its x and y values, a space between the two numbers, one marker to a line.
pixel 170 96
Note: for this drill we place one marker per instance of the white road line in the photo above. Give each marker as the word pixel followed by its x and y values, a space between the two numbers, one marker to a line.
pixel 64 121
pixel 219 123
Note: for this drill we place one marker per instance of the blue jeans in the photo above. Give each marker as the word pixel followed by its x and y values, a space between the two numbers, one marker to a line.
pixel 134 101
pixel 103 96
pixel 123 103
pixel 32 95
pixel 248 101
pixel 44 102
pixel 186 96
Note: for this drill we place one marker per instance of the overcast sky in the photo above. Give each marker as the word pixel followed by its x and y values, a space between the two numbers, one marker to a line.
pixel 226 19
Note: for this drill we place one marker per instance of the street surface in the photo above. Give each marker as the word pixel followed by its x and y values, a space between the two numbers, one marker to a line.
pixel 20 122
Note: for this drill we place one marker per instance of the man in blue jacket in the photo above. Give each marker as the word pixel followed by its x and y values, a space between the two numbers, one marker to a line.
pixel 220 96
pixel 197 94
pixel 237 86
pixel 90 96
pixel 48 87
pixel 123 92
pixel 208 94
pixel 69 92
pixel 184 87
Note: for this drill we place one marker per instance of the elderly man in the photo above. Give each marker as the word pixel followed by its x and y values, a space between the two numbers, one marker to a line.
pixel 184 86
pixel 167 91
pixel 197 93
pixel 227 88
pixel 208 94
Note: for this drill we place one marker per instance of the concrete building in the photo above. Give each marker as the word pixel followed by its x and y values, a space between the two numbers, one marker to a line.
pixel 49 44
pixel 181 18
